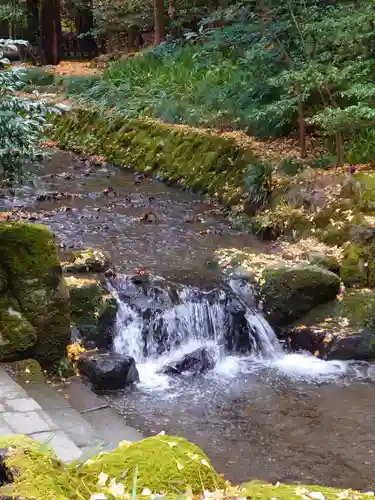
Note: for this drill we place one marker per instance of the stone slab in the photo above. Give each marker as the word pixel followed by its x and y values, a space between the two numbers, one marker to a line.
pixel 111 426
pixel 22 405
pixel 47 396
pixel 5 430
pixel 60 443
pixel 74 426
pixel 26 422
pixel 9 389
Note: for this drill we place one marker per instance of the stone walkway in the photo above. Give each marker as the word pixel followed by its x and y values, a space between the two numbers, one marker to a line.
pixel 73 430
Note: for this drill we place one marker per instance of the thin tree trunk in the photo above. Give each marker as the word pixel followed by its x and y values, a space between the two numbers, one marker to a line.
pixel 50 31
pixel 159 21
pixel 33 21
pixel 340 149
pixel 84 25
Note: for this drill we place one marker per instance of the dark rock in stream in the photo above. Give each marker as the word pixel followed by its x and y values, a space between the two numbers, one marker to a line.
pixel 359 347
pixel 199 361
pixel 108 370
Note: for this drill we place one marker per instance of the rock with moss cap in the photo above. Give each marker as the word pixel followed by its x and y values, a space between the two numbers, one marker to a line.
pixel 88 261
pixel 321 259
pixel 93 309
pixel 163 464
pixel 29 259
pixel 290 292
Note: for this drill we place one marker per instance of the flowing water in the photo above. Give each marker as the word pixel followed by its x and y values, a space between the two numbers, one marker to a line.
pixel 265 415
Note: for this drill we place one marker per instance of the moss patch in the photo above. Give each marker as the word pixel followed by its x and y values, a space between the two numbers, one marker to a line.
pixel 257 490
pixel 27 371
pixel 164 464
pixel 37 472
pixel 17 335
pixel 199 160
pixel 358 265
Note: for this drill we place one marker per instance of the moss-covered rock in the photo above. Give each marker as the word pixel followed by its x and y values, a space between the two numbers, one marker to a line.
pixel 37 472
pixel 318 258
pixel 358 265
pixel 288 293
pixel 163 464
pixel 201 160
pixel 86 261
pixel 27 371
pixel 17 334
pixel 28 257
pixel 93 309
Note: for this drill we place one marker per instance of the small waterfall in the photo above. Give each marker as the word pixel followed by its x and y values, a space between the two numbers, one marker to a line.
pixel 151 324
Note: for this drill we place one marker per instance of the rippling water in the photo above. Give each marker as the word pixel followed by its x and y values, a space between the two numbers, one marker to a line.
pixel 287 418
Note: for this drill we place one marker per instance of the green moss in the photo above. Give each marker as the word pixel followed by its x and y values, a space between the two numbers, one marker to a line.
pixel 364 188
pixel 93 309
pixel 288 293
pixel 257 490
pixel 29 257
pixel 37 473
pixel 28 371
pixel 201 160
pixel 164 464
pixel 353 310
pixel 17 335
pixel 358 265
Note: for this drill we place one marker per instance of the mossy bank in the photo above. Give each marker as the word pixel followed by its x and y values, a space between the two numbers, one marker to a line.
pixel 199 160
pixel 166 467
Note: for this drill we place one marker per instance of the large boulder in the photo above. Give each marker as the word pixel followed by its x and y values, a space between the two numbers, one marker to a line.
pixel 289 292
pixel 108 370
pixel 199 361
pixel 37 303
pixel 88 261
pixel 93 310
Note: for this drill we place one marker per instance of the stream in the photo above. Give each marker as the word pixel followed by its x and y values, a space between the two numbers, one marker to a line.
pixel 270 416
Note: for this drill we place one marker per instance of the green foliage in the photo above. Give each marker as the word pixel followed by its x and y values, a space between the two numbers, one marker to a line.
pixel 22 122
pixel 323 162
pixel 361 146
pixel 258 180
pixel 290 166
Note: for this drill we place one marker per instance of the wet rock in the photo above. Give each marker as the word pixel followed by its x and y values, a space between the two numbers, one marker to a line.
pixel 108 371
pixel 90 260
pixel 199 361
pixel 290 292
pixel 93 310
pixel 148 218
pixel 359 347
pixel 314 339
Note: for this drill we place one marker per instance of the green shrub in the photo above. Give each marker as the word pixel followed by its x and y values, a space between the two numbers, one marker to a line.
pixel 361 146
pixel 290 166
pixel 323 162
pixel 259 182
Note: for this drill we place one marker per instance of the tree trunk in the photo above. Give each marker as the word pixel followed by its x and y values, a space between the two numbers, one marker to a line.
pixel 33 21
pixel 340 149
pixel 159 21
pixel 50 31
pixel 85 24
